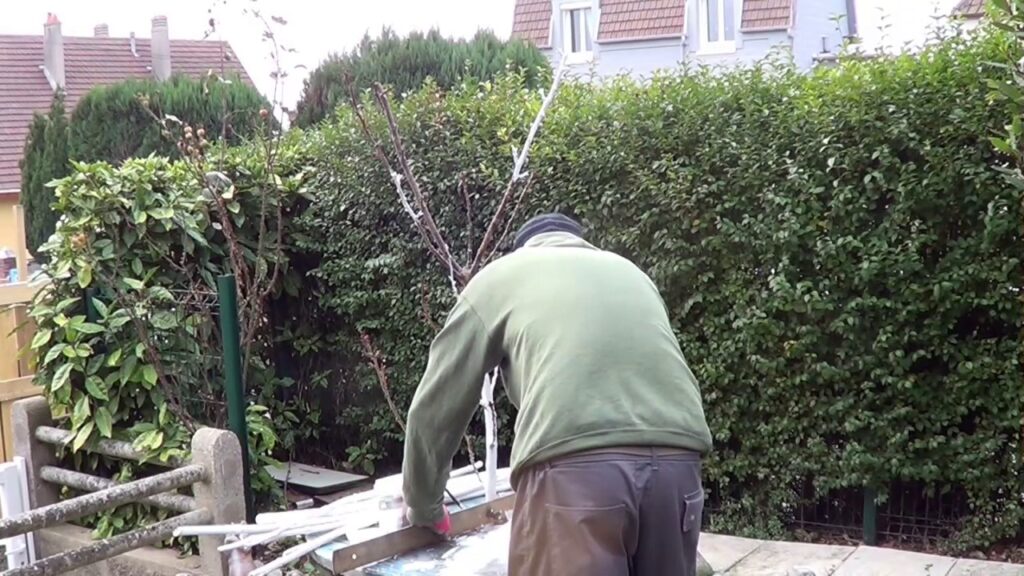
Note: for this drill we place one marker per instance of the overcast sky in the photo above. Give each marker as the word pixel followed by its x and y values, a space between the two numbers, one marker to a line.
pixel 316 28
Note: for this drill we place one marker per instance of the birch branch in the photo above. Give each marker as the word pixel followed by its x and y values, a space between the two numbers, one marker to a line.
pixel 484 252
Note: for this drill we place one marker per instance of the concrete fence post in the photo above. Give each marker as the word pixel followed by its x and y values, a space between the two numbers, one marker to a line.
pixel 222 493
pixel 28 415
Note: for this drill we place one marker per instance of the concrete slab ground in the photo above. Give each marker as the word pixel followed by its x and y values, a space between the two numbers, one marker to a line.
pixel 870 561
pixel 796 558
pixel 724 552
pixel 733 556
pixel 982 568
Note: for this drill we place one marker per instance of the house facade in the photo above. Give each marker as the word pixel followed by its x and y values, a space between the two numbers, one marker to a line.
pixel 638 37
pixel 970 11
pixel 34 68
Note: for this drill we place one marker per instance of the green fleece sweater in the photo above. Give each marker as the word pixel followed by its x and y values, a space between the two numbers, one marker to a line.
pixel 588 356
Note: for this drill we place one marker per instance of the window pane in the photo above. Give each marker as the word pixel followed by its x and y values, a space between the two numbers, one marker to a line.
pixel 574 18
pixel 587 41
pixel 712 12
pixel 728 16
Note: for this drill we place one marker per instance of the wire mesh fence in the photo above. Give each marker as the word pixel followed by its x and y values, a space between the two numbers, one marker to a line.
pixel 911 513
pixel 196 356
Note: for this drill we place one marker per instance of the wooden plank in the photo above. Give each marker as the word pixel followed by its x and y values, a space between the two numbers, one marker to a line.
pixel 18 293
pixel 6 430
pixel 20 241
pixel 8 346
pixel 18 388
pixel 410 539
pixel 26 332
pixel 7 424
pixel 10 392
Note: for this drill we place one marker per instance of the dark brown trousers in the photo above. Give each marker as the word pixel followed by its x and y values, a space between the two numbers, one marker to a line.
pixel 612 512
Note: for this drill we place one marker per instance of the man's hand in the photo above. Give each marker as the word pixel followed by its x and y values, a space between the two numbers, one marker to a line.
pixel 442 527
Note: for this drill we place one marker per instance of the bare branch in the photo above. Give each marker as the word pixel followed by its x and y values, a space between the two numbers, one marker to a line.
pixel 510 221
pixel 428 315
pixel 456 271
pixel 487 246
pixel 373 356
pixel 396 178
pixel 464 189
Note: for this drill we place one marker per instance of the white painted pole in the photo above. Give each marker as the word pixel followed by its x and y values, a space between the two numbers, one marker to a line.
pixel 490 438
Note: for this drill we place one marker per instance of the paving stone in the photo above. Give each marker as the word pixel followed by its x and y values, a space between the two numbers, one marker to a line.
pixel 871 561
pixel 791 558
pixel 723 552
pixel 982 568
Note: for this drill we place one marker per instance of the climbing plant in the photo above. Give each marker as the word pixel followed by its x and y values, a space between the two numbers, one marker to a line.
pixel 128 338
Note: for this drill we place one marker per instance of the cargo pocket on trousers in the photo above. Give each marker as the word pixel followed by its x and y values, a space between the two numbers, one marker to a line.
pixel 693 511
pixel 585 541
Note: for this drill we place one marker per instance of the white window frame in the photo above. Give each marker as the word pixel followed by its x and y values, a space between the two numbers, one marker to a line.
pixel 566 26
pixel 721 46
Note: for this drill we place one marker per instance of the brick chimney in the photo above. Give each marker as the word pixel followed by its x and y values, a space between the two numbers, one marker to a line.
pixel 53 52
pixel 101 31
pixel 160 46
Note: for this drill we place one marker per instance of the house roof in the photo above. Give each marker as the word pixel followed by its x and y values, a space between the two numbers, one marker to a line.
pixel 624 20
pixel 970 8
pixel 88 62
pixel 532 21
pixel 767 14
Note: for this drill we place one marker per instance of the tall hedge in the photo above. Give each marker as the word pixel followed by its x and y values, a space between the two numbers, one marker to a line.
pixel 405 63
pixel 838 251
pixel 116 122
pixel 840 259
pixel 45 159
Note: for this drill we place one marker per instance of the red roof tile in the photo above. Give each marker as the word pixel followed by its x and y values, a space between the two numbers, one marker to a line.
pixel 767 14
pixel 532 21
pixel 970 8
pixel 623 20
pixel 88 62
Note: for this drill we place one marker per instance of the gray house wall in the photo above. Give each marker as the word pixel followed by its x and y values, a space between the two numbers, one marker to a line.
pixel 638 59
pixel 813 21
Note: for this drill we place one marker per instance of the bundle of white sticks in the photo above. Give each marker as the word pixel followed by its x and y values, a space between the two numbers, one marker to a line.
pixel 349 517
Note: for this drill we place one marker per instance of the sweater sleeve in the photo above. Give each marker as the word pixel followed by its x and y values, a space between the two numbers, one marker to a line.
pixel 461 354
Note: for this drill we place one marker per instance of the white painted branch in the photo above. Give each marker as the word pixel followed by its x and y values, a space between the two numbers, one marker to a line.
pixel 297 552
pixel 466 470
pixel 523 155
pixel 490 437
pixel 396 178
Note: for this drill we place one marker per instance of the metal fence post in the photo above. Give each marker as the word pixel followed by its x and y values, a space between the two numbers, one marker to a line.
pixel 91 314
pixel 870 516
pixel 28 415
pixel 227 298
pixel 220 454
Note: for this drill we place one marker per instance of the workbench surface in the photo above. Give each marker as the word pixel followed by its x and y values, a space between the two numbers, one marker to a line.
pixel 483 552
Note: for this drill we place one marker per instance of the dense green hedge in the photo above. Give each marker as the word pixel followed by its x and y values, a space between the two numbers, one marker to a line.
pixel 839 256
pixel 404 63
pixel 840 259
pixel 45 159
pixel 117 122
pixel 114 123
